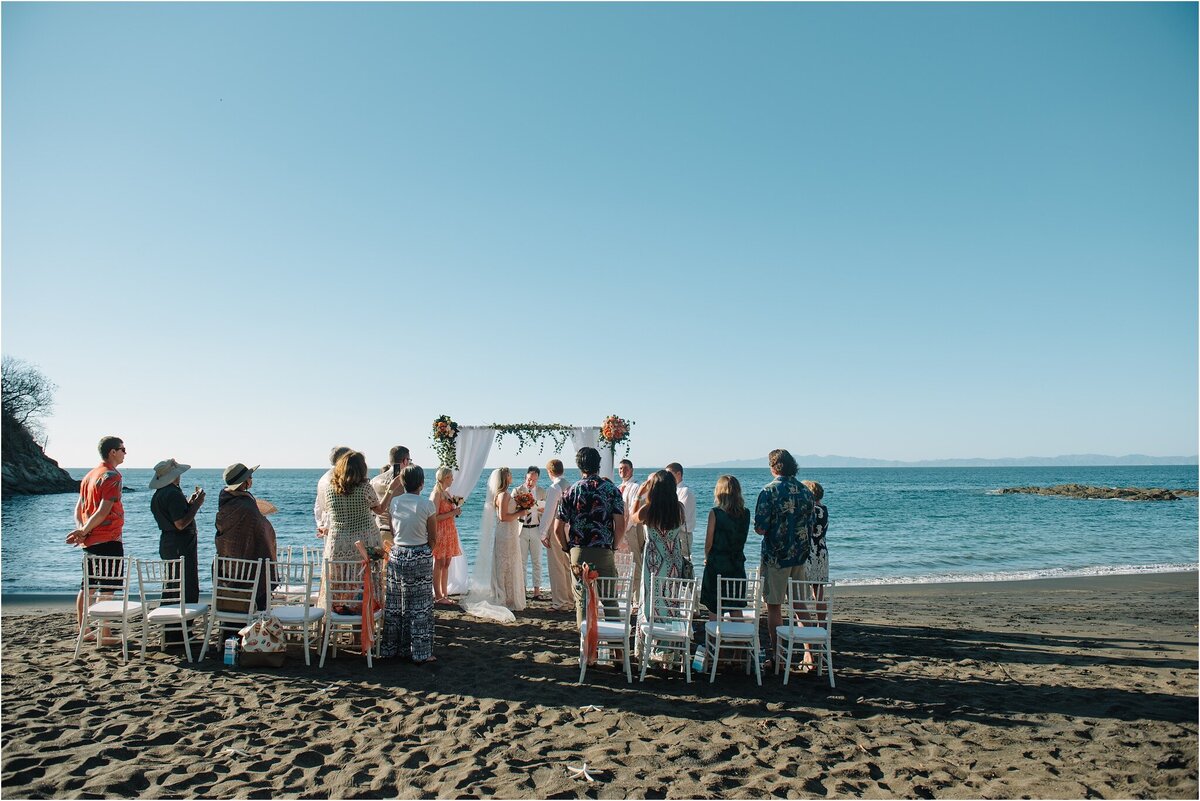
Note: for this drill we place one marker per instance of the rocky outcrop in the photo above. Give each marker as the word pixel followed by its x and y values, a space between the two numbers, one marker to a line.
pixel 1103 493
pixel 27 470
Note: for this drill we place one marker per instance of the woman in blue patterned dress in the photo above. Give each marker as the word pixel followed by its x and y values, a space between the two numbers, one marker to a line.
pixel 666 551
pixel 817 566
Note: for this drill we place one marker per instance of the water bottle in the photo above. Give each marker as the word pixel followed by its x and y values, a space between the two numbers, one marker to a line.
pixel 231 651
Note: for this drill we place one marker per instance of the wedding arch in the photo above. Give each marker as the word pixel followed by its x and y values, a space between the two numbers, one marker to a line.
pixel 464 449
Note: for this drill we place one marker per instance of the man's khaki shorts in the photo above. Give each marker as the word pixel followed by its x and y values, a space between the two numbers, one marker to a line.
pixel 775 581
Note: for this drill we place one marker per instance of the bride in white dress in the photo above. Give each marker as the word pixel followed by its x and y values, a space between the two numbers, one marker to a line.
pixel 498 580
pixel 508 579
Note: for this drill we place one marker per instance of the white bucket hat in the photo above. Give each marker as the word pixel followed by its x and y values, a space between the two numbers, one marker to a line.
pixel 236 474
pixel 167 471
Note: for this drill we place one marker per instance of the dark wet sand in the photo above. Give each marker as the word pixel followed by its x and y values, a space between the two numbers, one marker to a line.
pixel 1048 689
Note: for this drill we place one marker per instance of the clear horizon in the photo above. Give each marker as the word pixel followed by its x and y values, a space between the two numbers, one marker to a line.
pixel 250 232
pixel 540 460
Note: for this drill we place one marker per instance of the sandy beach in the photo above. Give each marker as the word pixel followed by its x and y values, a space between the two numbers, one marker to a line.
pixel 1047 689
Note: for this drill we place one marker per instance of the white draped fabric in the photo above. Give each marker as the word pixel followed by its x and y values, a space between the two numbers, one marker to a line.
pixel 471 446
pixel 481 600
pixel 588 437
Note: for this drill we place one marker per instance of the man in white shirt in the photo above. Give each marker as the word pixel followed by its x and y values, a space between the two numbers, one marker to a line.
pixel 320 510
pixel 558 562
pixel 530 539
pixel 635 533
pixel 398 459
pixel 689 503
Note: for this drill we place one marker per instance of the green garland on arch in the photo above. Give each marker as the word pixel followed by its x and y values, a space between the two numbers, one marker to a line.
pixel 534 433
pixel 445 432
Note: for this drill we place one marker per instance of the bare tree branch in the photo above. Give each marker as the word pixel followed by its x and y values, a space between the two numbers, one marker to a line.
pixel 27 394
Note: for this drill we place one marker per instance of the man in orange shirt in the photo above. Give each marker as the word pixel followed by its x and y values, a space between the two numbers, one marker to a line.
pixel 99 514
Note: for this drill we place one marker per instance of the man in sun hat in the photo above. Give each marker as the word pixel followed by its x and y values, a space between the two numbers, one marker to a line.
pixel 176 519
pixel 243 532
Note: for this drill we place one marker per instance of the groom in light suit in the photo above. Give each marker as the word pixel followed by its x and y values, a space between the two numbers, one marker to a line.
pixel 635 533
pixel 562 584
pixel 529 541
pixel 684 492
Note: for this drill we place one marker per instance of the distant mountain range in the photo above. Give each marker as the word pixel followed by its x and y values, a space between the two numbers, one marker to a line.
pixel 1072 460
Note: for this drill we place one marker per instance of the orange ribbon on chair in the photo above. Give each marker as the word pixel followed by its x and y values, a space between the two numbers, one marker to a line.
pixel 593 613
pixel 368 608
pixel 369 605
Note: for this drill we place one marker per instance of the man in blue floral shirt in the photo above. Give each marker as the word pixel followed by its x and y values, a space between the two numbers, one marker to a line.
pixel 784 518
pixel 591 521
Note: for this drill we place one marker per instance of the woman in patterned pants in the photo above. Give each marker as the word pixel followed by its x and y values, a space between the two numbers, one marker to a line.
pixel 408 615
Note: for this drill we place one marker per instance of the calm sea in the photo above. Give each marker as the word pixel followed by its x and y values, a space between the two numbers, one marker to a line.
pixel 886 525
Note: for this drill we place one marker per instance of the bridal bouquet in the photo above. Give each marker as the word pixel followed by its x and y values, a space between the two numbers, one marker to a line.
pixel 614 430
pixel 444 432
pixel 457 500
pixel 525 501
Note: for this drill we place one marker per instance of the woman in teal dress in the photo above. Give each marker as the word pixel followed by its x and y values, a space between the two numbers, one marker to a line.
pixel 725 542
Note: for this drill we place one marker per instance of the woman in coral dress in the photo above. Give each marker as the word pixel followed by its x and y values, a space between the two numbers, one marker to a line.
pixel 446 546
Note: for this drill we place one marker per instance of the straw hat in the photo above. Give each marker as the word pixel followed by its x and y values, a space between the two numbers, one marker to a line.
pixel 236 475
pixel 166 472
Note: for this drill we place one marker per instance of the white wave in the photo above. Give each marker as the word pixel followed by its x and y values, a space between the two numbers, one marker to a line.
pixel 1021 575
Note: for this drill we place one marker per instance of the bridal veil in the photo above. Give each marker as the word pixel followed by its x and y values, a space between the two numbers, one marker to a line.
pixel 480 600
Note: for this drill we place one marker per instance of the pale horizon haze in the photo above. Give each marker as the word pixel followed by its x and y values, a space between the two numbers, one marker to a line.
pixel 250 232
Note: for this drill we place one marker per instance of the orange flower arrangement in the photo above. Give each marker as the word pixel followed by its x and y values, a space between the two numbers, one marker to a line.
pixel 525 501
pixel 444 432
pixel 614 430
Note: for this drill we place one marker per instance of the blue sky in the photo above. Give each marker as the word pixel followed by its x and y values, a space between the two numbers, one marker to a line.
pixel 239 232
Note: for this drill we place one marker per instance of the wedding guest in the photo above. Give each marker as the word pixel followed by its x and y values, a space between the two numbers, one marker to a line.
pixel 634 541
pixel 529 545
pixel 446 546
pixel 408 613
pixel 689 503
pixel 725 540
pixel 99 515
pixel 817 566
pixel 783 517
pixel 590 521
pixel 352 505
pixel 558 562
pixel 398 459
pixel 662 515
pixel 508 575
pixel 320 512
pixel 243 532
pixel 176 519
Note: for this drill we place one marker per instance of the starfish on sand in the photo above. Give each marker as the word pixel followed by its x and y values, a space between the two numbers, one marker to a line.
pixel 580 772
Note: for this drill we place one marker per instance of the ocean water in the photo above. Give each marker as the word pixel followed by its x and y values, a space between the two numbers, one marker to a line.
pixel 887 525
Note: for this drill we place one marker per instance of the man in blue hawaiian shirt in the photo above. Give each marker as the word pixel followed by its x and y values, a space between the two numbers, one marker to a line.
pixel 784 518
pixel 591 521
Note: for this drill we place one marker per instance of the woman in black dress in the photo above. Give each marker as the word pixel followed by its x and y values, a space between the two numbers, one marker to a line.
pixel 725 542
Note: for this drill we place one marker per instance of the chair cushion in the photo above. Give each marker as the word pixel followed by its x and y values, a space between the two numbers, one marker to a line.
pixel 114 609
pixel 292 615
pixel 336 618
pixel 802 633
pixel 731 630
pixel 675 629
pixel 608 629
pixel 190 612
